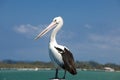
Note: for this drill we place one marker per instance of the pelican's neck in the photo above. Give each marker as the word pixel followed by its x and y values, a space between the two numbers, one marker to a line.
pixel 53 35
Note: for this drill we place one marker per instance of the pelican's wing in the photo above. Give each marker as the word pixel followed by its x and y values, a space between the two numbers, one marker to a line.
pixel 68 60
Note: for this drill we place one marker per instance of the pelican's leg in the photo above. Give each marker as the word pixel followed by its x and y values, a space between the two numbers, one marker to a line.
pixel 64 74
pixel 56 74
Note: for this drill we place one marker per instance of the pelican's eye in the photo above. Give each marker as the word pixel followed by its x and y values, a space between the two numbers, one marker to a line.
pixel 55 20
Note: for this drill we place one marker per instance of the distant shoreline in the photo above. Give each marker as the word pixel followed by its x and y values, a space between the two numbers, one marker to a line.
pixel 37 65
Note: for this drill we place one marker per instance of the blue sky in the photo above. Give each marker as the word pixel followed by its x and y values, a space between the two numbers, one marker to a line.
pixel 91 29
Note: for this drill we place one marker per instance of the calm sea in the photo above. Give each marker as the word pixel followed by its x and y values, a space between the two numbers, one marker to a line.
pixel 46 74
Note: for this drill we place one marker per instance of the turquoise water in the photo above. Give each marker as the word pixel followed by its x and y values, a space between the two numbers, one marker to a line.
pixel 46 74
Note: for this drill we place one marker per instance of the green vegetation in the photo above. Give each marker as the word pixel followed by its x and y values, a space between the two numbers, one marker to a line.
pixel 94 65
pixel 79 64
pixel 24 64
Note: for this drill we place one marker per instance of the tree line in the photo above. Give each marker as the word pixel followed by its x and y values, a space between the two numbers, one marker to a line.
pixel 39 64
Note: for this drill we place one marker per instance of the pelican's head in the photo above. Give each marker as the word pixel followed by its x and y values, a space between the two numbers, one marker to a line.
pixel 56 21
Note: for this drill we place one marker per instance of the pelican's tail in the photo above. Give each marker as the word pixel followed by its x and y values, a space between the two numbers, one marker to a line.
pixel 72 71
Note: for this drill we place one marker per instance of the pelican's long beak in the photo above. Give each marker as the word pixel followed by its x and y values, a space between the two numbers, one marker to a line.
pixel 52 25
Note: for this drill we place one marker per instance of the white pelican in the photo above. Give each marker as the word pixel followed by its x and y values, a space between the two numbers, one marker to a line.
pixel 60 55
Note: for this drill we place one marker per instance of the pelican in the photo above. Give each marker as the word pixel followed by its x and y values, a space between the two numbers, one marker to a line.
pixel 60 55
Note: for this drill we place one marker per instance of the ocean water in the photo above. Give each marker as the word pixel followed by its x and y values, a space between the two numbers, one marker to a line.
pixel 47 74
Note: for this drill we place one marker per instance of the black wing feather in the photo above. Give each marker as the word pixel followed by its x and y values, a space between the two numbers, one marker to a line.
pixel 68 59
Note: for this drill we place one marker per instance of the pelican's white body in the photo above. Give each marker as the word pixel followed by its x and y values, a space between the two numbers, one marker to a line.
pixel 54 55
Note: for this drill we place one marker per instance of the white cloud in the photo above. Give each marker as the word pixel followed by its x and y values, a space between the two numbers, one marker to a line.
pixel 28 29
pixel 106 41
